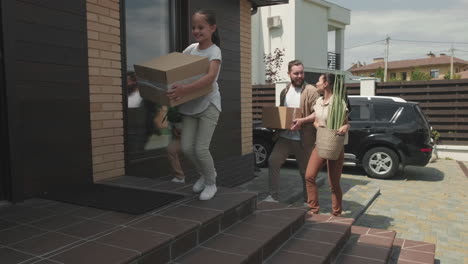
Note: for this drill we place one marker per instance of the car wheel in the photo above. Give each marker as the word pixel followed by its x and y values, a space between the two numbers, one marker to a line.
pixel 381 163
pixel 261 150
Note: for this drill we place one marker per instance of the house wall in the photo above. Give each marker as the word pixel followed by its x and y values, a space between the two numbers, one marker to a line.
pixel 312 37
pixel 47 96
pixel 105 88
pixel 267 40
pixel 303 34
pixel 246 76
pixel 63 76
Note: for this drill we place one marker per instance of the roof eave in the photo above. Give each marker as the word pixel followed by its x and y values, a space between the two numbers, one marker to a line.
pixel 260 3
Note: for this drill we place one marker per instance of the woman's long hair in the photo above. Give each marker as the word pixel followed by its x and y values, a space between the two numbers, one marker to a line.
pixel 330 79
pixel 210 16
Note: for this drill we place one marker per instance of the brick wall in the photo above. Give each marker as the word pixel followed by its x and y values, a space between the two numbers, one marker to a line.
pixel 105 85
pixel 246 76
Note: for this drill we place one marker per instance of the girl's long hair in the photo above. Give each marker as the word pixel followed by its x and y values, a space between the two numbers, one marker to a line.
pixel 210 16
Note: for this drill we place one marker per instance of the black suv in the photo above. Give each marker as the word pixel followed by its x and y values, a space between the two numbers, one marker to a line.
pixel 386 132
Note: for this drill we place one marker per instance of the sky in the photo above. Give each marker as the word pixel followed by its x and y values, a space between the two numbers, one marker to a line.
pixel 422 20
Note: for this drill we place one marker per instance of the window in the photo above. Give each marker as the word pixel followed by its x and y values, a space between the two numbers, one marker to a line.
pixel 406 116
pixel 384 112
pixel 359 113
pixel 457 70
pixel 404 75
pixel 393 75
pixel 435 73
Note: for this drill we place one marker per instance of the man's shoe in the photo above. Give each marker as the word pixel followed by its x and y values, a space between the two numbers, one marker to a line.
pixel 178 180
pixel 270 199
pixel 208 192
pixel 199 185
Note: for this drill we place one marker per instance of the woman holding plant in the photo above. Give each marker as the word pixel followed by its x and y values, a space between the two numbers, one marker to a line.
pixel 330 112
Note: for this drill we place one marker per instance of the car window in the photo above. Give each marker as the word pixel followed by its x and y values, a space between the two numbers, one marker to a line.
pixel 360 112
pixel 384 112
pixel 406 116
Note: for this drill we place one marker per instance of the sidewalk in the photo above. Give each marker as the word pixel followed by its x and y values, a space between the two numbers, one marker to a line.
pixel 358 193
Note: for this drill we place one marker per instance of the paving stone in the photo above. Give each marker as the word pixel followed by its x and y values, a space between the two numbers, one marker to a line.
pixel 425 204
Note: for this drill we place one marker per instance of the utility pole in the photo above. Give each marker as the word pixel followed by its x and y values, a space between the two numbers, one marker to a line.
pixel 387 42
pixel 451 62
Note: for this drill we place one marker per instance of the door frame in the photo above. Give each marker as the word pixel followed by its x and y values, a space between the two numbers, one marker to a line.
pixel 5 163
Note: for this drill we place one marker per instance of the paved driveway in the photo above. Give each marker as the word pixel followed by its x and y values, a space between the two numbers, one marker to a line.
pixel 427 204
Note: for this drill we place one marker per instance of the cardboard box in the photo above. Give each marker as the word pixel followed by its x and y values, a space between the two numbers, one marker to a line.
pixel 155 77
pixel 279 116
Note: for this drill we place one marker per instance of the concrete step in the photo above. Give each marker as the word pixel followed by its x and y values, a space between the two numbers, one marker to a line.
pixel 318 241
pixel 191 223
pixel 367 245
pixel 409 252
pixel 252 240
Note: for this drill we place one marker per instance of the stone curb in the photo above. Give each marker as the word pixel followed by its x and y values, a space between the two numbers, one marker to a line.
pixel 367 204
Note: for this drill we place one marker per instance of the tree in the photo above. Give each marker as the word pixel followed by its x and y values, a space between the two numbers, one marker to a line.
pixel 418 75
pixel 273 63
pixel 380 74
pixel 454 77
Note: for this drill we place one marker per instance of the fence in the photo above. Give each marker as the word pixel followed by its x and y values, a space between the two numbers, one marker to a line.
pixel 262 95
pixel 444 102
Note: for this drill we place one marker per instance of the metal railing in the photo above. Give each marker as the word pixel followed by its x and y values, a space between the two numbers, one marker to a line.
pixel 334 61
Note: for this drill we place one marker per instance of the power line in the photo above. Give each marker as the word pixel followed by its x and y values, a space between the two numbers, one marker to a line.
pixel 365 44
pixel 430 41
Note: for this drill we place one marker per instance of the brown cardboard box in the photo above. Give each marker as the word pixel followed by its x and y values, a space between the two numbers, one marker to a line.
pixel 280 116
pixel 156 76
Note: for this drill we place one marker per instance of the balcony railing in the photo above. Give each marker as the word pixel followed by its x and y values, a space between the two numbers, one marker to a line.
pixel 334 61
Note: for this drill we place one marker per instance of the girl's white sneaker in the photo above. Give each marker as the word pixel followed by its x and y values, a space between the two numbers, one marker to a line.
pixel 199 185
pixel 208 192
pixel 178 180
pixel 270 199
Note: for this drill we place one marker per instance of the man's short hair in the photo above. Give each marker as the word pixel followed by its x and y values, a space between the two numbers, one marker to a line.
pixel 294 63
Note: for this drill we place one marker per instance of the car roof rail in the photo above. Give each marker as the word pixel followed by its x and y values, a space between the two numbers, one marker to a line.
pixel 376 97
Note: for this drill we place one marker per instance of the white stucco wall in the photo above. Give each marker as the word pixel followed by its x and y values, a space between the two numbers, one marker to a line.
pixel 265 40
pixel 312 38
pixel 303 34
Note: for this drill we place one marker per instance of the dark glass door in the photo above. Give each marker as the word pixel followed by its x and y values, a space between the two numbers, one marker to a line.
pixel 151 30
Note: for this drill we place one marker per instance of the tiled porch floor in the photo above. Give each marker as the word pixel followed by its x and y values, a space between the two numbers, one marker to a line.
pixel 44 231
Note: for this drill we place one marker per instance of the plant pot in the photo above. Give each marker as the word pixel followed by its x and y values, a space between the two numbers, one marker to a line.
pixel 329 144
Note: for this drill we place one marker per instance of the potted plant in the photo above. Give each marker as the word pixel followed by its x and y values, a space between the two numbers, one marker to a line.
pixel 329 143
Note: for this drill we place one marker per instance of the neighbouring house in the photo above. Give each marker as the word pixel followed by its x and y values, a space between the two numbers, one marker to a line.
pixel 435 66
pixel 463 74
pixel 65 119
pixel 310 30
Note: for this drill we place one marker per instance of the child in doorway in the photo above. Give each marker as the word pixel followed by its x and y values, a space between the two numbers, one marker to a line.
pixel 201 114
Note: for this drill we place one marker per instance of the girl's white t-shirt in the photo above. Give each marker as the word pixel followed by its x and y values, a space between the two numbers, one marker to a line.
pixel 199 104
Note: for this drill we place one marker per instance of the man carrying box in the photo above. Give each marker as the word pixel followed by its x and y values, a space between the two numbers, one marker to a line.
pixel 301 95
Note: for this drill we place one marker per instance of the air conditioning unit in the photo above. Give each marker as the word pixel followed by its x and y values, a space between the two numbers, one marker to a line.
pixel 274 22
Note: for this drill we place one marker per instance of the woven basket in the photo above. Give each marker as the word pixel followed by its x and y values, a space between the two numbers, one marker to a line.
pixel 329 144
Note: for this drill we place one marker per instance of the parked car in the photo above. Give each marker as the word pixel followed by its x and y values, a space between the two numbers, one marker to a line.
pixel 386 132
